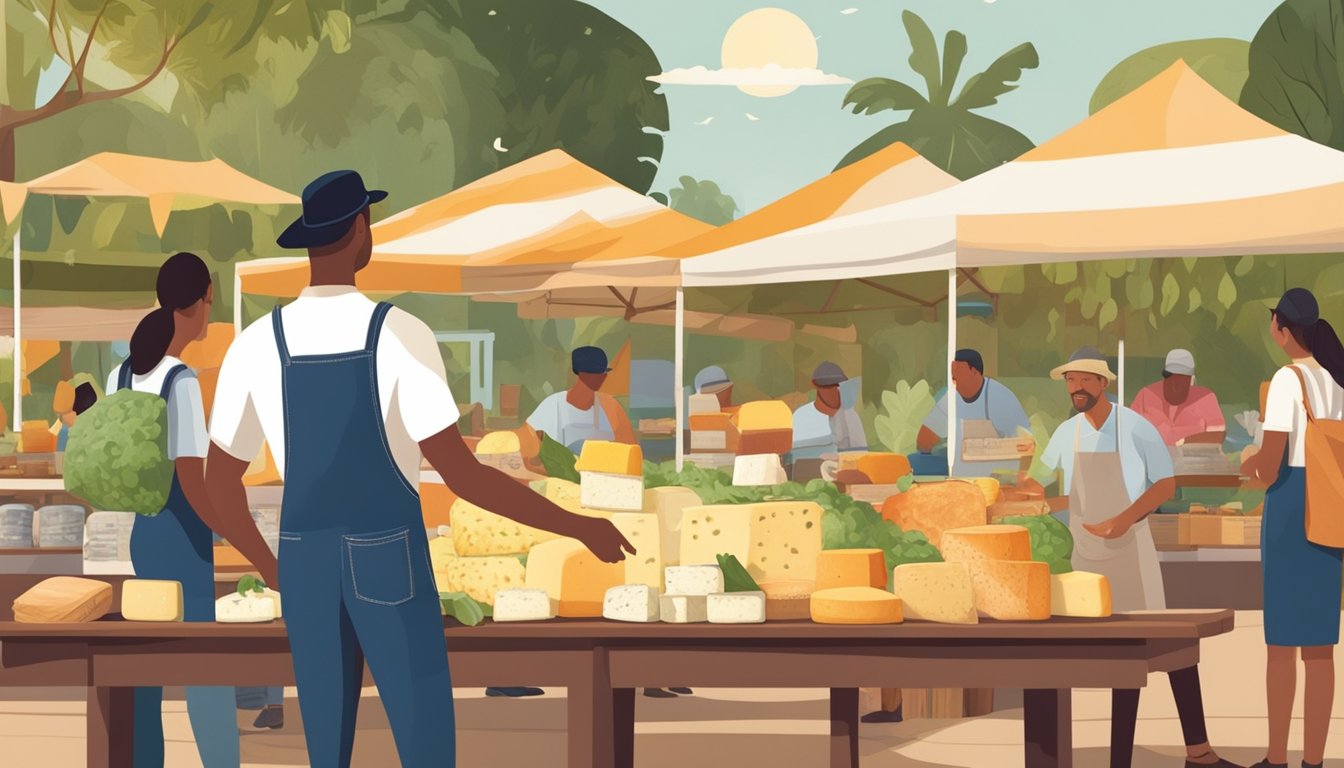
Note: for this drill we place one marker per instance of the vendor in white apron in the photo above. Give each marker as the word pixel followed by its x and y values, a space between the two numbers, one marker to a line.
pixel 987 409
pixel 1116 472
pixel 583 412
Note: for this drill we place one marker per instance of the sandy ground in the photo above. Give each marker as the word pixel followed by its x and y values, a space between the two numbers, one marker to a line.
pixel 779 727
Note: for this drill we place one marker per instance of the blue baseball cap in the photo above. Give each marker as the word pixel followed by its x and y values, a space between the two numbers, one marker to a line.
pixel 1298 307
pixel 711 380
pixel 589 360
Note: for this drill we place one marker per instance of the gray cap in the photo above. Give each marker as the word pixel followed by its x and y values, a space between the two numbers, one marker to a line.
pixel 828 373
pixel 1180 362
pixel 712 379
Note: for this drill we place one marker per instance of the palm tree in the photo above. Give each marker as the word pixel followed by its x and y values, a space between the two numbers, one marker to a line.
pixel 944 130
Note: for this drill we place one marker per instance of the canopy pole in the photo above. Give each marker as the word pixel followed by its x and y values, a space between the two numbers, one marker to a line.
pixel 17 414
pixel 1121 363
pixel 237 302
pixel 679 373
pixel 951 353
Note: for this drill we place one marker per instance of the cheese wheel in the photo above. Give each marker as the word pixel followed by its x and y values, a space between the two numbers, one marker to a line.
pixel 933 508
pixel 497 443
pixel 856 605
pixel 851 568
pixel 1080 594
pixel 574 579
pixel 986 542
pixel 1012 591
pixel 940 592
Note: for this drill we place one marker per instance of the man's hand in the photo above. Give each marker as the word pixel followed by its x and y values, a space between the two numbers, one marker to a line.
pixel 1110 529
pixel 604 540
pixel 926 440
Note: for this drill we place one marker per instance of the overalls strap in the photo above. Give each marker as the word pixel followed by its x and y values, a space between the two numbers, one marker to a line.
pixel 124 375
pixel 376 326
pixel 170 379
pixel 279 327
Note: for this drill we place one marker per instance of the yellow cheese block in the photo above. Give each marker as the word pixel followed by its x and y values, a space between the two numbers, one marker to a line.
pixel 986 542
pixel 151 600
pixel 932 508
pixel 498 442
pixel 883 468
pixel 851 568
pixel 610 458
pixel 574 579
pixel 1080 594
pixel 482 577
pixel 775 540
pixel 988 486
pixel 1012 591
pixel 764 415
pixel 441 556
pixel 641 529
pixel 478 532
pixel 940 592
pixel 856 605
pixel 562 493
pixel 670 503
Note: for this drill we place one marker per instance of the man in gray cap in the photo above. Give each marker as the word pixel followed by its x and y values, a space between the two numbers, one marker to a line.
pixel 825 425
pixel 1181 411
pixel 714 381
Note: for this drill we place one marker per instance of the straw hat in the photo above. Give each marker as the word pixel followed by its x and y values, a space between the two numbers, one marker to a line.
pixel 1085 360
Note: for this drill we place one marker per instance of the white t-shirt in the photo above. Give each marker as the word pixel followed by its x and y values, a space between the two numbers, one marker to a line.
pixel 1284 411
pixel 412 385
pixel 568 425
pixel 187 436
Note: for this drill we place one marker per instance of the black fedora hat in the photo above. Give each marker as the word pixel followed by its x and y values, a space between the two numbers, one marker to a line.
pixel 329 204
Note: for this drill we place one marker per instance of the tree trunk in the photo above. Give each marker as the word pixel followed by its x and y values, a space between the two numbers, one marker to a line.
pixel 8 153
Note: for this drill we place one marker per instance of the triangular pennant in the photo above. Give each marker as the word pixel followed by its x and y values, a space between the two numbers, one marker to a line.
pixel 11 200
pixel 160 205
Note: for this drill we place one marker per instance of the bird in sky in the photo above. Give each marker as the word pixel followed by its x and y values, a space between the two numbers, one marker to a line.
pixel 706 121
pixel 499 144
pixel 752 117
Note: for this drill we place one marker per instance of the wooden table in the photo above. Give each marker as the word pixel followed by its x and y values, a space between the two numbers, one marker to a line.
pixel 602 663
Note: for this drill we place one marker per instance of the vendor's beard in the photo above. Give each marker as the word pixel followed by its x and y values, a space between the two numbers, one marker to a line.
pixel 1091 401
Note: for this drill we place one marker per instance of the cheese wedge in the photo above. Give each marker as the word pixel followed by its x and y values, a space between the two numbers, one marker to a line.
pixel 643 532
pixel 1080 594
pixel 521 605
pixel 572 577
pixel 615 492
pixel 707 532
pixel 478 532
pixel 735 608
pixel 1012 591
pixel 632 602
pixel 151 600
pixel 940 592
pixel 851 568
pixel 759 469
pixel 484 577
pixel 497 443
pixel 670 503
pixel 694 579
pixel 775 540
pixel 610 458
pixel 985 543
pixel 684 609
pixel 856 605
pixel 764 415
pixel 562 493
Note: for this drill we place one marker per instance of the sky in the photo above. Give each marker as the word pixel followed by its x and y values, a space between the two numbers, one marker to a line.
pixel 799 137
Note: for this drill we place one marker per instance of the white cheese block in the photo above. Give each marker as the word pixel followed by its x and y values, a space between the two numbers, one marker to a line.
pixel 1081 594
pixel 237 609
pixel 522 605
pixel 693 579
pixel 703 404
pixel 758 469
pixel 684 609
pixel 736 608
pixel 703 440
pixel 619 493
pixel 631 602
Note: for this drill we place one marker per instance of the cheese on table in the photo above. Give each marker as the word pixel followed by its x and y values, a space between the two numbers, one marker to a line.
pixel 611 458
pixel 851 568
pixel 988 486
pixel 151 600
pixel 562 493
pixel 64 599
pixel 986 542
pixel 498 443
pixel 735 608
pixel 709 441
pixel 763 416
pixel 694 579
pixel 478 532
pixel 521 605
pixel 932 508
pixel 573 578
pixel 1080 594
pixel 684 609
pixel 642 530
pixel 441 555
pixel 884 468
pixel 707 532
pixel 710 422
pixel 775 540
pixel 670 504
pixel 940 592
pixel 239 609
pixel 856 605
pixel 1011 591
pixel 759 469
pixel 483 577
pixel 631 602
pixel 616 492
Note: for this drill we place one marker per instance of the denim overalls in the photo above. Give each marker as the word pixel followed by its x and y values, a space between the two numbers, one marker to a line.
pixel 354 564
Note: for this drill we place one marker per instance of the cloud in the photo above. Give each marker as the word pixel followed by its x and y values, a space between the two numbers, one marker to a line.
pixel 770 74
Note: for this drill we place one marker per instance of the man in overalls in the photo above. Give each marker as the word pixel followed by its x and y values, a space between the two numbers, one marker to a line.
pixel 349 394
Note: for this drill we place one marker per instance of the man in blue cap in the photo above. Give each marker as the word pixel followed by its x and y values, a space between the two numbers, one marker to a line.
pixel 987 406
pixel 583 412
pixel 713 380
pixel 349 395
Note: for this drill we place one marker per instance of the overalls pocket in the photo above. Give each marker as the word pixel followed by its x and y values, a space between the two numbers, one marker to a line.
pixel 380 567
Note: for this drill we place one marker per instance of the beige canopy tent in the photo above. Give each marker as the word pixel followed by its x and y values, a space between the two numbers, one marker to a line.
pixel 165 184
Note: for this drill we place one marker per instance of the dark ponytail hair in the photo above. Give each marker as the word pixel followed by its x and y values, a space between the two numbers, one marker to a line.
pixel 183 280
pixel 1320 340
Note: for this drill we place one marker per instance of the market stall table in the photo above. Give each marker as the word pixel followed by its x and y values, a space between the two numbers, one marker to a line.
pixel 601 664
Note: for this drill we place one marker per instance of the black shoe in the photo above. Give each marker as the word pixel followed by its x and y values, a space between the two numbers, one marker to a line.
pixel 1262 764
pixel 659 693
pixel 883 716
pixel 682 691
pixel 272 717
pixel 1223 764
pixel 1305 764
pixel 514 693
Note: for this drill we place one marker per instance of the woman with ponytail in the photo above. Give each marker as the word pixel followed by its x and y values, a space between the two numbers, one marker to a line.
pixel 175 544
pixel 1302 580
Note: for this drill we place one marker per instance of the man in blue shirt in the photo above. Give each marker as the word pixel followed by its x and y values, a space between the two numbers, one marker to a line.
pixel 982 400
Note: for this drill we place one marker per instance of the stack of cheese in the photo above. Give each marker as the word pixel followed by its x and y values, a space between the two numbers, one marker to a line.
pixel 764 426
pixel 775 540
pixel 695 594
pixel 851 589
pixel 611 476
pixel 709 426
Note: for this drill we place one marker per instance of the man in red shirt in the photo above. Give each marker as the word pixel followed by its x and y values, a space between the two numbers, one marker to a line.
pixel 1180 410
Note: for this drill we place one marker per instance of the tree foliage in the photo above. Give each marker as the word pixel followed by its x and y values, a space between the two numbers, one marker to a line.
pixel 702 200
pixel 1221 61
pixel 1295 81
pixel 944 130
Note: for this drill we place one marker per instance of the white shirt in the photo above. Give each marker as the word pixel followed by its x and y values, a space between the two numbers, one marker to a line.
pixel 1145 460
pixel 815 433
pixel 568 425
pixel 187 437
pixel 1284 411
pixel 412 385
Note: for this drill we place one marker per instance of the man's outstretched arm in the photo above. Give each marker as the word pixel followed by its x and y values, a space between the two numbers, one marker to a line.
pixel 228 515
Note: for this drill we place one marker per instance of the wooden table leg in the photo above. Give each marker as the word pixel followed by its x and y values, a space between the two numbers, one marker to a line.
pixel 1048 728
pixel 591 717
pixel 623 726
pixel 844 728
pixel 110 722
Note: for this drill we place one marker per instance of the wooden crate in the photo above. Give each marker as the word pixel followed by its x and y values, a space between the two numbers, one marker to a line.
pixel 1240 531
pixel 1166 531
pixel 1203 531
pixel 934 703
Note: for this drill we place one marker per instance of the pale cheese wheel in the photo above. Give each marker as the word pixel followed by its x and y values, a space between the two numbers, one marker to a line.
pixel 940 592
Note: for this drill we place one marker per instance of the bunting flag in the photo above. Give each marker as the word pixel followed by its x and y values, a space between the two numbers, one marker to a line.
pixel 11 200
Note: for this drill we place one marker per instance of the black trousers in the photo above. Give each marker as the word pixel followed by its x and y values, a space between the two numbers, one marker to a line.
pixel 1125 713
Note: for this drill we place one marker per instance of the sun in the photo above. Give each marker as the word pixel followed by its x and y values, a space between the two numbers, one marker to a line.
pixel 769 36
